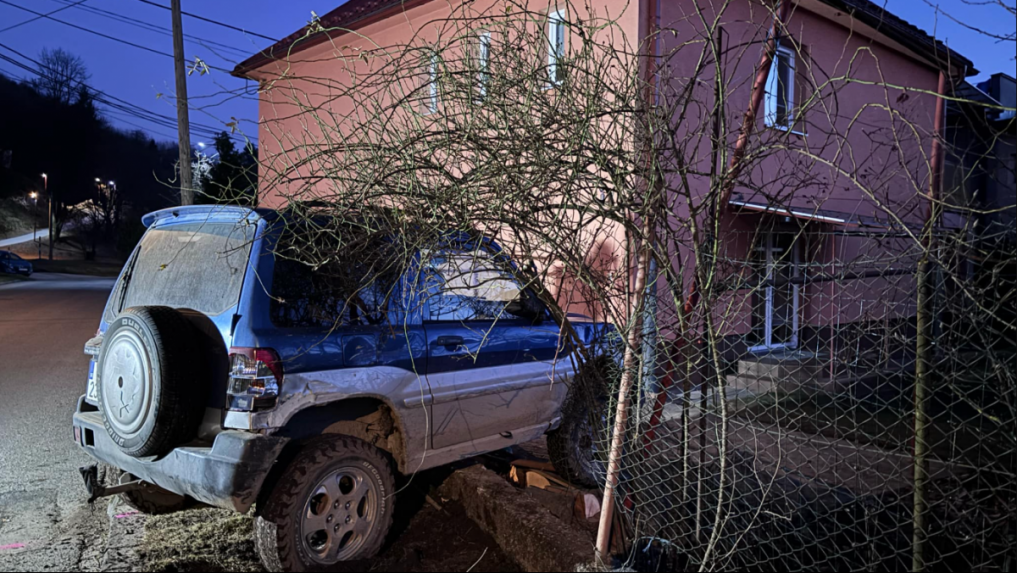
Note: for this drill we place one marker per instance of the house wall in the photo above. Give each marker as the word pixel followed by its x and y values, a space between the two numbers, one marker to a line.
pixel 863 150
pixel 306 113
pixel 302 99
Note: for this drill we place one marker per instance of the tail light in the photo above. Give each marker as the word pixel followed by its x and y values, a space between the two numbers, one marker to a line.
pixel 254 380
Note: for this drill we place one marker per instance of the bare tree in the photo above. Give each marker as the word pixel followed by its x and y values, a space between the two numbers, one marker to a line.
pixel 623 183
pixel 61 75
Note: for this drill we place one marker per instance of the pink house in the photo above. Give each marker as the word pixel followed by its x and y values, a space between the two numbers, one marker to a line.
pixel 847 114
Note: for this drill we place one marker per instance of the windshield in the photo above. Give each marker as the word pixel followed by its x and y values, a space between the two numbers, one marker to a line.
pixel 199 266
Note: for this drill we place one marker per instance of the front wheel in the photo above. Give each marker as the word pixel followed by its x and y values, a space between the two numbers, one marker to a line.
pixel 332 504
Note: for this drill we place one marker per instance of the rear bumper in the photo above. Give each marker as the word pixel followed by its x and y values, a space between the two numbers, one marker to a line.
pixel 228 475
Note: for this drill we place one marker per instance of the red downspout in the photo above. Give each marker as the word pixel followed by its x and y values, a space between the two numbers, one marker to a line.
pixel 758 91
pixel 936 164
pixel 749 121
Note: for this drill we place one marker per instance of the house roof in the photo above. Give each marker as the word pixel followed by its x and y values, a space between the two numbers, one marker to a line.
pixel 905 33
pixel 356 13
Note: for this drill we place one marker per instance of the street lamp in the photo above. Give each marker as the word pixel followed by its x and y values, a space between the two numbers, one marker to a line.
pixel 34 196
pixel 49 219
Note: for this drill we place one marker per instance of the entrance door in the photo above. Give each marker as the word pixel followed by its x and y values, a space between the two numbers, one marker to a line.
pixel 776 302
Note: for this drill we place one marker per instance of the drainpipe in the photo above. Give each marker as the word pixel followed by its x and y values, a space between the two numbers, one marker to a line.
pixel 758 91
pixel 923 342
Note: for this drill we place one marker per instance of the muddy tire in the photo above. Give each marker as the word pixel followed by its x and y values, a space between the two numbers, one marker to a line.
pixel 151 390
pixel 333 503
pixel 578 447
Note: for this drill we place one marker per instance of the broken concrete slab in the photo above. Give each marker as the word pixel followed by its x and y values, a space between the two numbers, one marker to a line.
pixel 523 527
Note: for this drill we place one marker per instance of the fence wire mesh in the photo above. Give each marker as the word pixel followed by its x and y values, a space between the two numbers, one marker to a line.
pixel 836 390
pixel 812 424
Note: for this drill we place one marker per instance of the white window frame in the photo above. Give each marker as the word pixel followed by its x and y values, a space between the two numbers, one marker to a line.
pixel 484 62
pixel 768 247
pixel 557 42
pixel 432 83
pixel 772 91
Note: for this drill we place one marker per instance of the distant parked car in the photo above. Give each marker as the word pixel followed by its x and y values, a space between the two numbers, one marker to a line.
pixel 13 264
pixel 226 371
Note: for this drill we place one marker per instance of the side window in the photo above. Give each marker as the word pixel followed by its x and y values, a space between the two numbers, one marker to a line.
pixel 483 63
pixel 780 90
pixel 337 292
pixel 470 286
pixel 431 94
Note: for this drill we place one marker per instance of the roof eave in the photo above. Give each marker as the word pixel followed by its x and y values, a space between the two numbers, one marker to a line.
pixel 295 43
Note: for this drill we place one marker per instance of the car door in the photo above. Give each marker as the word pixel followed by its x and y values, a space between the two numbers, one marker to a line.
pixel 491 351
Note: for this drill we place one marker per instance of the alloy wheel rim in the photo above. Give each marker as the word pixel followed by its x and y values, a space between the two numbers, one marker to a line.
pixel 339 515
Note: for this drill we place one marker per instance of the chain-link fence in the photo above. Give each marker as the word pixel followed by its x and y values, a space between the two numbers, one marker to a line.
pixel 817 366
pixel 851 404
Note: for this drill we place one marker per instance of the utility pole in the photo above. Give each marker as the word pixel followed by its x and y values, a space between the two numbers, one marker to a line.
pixel 183 119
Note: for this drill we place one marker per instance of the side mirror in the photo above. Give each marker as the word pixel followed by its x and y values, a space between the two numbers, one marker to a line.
pixel 528 308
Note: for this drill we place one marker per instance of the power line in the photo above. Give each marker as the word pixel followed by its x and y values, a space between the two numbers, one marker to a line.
pixel 100 34
pixel 210 21
pixel 115 102
pixel 153 27
pixel 30 20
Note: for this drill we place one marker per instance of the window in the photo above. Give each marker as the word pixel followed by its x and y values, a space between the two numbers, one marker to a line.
pixel 556 49
pixel 780 90
pixel 484 63
pixel 471 286
pixel 355 290
pixel 431 104
pixel 200 266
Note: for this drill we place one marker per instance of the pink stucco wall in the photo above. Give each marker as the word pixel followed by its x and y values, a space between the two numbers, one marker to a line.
pixel 878 136
pixel 863 151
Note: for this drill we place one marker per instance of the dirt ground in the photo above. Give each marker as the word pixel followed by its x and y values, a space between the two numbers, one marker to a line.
pixel 424 539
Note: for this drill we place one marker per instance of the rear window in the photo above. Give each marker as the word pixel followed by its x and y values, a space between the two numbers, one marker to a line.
pixel 199 266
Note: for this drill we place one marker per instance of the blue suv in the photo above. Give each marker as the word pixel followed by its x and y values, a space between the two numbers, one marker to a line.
pixel 229 370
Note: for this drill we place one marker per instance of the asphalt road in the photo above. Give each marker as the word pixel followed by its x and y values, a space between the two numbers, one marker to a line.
pixel 44 323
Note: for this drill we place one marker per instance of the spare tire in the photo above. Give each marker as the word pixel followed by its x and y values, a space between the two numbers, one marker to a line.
pixel 150 390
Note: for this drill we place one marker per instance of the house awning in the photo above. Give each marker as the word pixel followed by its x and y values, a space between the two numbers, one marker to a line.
pixel 816 215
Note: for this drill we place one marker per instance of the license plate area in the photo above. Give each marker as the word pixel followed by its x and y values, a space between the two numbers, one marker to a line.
pixel 92 394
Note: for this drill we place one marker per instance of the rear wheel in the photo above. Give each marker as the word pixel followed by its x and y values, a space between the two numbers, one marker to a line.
pixel 332 504
pixel 151 389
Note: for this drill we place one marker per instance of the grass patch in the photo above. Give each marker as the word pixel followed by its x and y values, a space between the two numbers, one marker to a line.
pixel 200 540
pixel 955 432
pixel 15 219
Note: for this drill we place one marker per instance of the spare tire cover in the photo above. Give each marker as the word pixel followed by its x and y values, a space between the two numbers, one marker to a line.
pixel 149 387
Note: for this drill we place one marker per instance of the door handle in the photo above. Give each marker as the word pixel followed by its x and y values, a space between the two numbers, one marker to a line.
pixel 450 341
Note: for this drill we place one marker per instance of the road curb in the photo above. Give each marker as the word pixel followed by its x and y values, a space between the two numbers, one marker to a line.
pixel 524 529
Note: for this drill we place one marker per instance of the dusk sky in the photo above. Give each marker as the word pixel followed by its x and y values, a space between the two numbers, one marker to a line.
pixel 139 76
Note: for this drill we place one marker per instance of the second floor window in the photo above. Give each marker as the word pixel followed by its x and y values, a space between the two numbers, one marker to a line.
pixel 780 90
pixel 431 104
pixel 484 63
pixel 556 47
